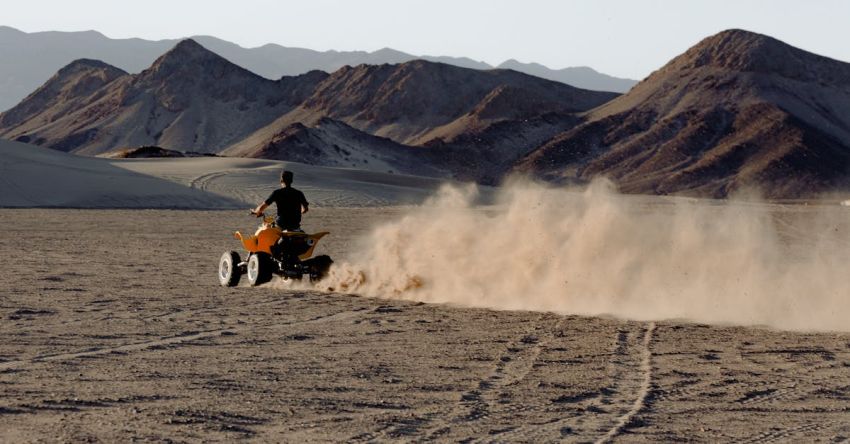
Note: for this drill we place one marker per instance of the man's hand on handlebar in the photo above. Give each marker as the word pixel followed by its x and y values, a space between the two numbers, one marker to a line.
pixel 258 211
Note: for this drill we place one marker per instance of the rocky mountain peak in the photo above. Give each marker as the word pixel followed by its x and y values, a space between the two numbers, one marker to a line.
pixel 189 48
pixel 734 49
pixel 85 65
pixel 190 72
pixel 744 51
pixel 68 88
pixel 189 58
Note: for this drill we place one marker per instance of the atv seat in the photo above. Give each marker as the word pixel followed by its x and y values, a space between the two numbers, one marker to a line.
pixel 293 243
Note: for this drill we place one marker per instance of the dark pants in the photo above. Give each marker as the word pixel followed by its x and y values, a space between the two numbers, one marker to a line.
pixel 287 226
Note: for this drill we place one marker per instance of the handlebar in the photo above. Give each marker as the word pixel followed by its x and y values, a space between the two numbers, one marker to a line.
pixel 266 219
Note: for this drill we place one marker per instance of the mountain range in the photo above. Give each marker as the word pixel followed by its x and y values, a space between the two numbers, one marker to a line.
pixel 192 99
pixel 735 111
pixel 39 55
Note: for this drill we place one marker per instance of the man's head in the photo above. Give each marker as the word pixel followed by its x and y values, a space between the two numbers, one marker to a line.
pixel 286 178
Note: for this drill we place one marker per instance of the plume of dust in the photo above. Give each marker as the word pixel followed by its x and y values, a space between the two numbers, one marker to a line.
pixel 596 252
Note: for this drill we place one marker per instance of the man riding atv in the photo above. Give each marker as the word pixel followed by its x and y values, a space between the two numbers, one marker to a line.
pixel 291 204
pixel 278 247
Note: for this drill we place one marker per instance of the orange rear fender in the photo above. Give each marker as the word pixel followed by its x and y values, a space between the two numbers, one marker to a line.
pixel 266 237
pixel 261 242
pixel 313 240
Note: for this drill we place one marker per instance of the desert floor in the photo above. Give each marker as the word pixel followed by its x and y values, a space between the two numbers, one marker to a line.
pixel 115 337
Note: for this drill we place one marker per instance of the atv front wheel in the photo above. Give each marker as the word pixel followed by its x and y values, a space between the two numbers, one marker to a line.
pixel 228 269
pixel 259 269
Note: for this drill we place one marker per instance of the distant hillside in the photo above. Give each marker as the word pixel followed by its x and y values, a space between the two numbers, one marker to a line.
pixel 31 58
pixel 332 143
pixel 580 76
pixel 417 102
pixel 737 110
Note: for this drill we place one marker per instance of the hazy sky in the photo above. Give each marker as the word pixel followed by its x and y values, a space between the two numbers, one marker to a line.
pixel 619 37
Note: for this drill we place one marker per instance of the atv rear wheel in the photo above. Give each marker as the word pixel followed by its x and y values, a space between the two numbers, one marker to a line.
pixel 318 267
pixel 228 269
pixel 259 269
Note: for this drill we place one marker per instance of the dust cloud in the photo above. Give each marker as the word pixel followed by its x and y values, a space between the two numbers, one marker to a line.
pixel 596 252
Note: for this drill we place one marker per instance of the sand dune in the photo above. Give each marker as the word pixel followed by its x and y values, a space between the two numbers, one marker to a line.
pixel 250 180
pixel 32 176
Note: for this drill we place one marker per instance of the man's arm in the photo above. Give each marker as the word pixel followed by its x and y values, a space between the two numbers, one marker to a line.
pixel 259 210
pixel 304 205
pixel 262 206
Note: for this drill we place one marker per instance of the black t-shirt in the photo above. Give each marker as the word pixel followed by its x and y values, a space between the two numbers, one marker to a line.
pixel 289 202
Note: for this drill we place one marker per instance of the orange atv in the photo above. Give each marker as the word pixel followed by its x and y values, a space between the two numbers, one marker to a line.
pixel 274 251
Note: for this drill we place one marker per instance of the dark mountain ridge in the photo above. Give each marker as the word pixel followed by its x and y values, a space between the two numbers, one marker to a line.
pixel 416 102
pixel 738 110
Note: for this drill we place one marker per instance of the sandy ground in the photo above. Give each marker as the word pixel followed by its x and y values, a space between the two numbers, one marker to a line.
pixel 117 338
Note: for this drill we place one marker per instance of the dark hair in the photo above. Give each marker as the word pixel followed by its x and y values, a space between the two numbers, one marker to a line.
pixel 286 177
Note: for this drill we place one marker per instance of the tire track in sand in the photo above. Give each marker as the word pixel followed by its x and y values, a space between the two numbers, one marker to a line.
pixel 202 182
pixel 511 367
pixel 169 341
pixel 476 406
pixel 182 313
pixel 484 400
pixel 246 193
pixel 177 313
pixel 643 391
pixel 624 381
pixel 121 349
pixel 529 432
